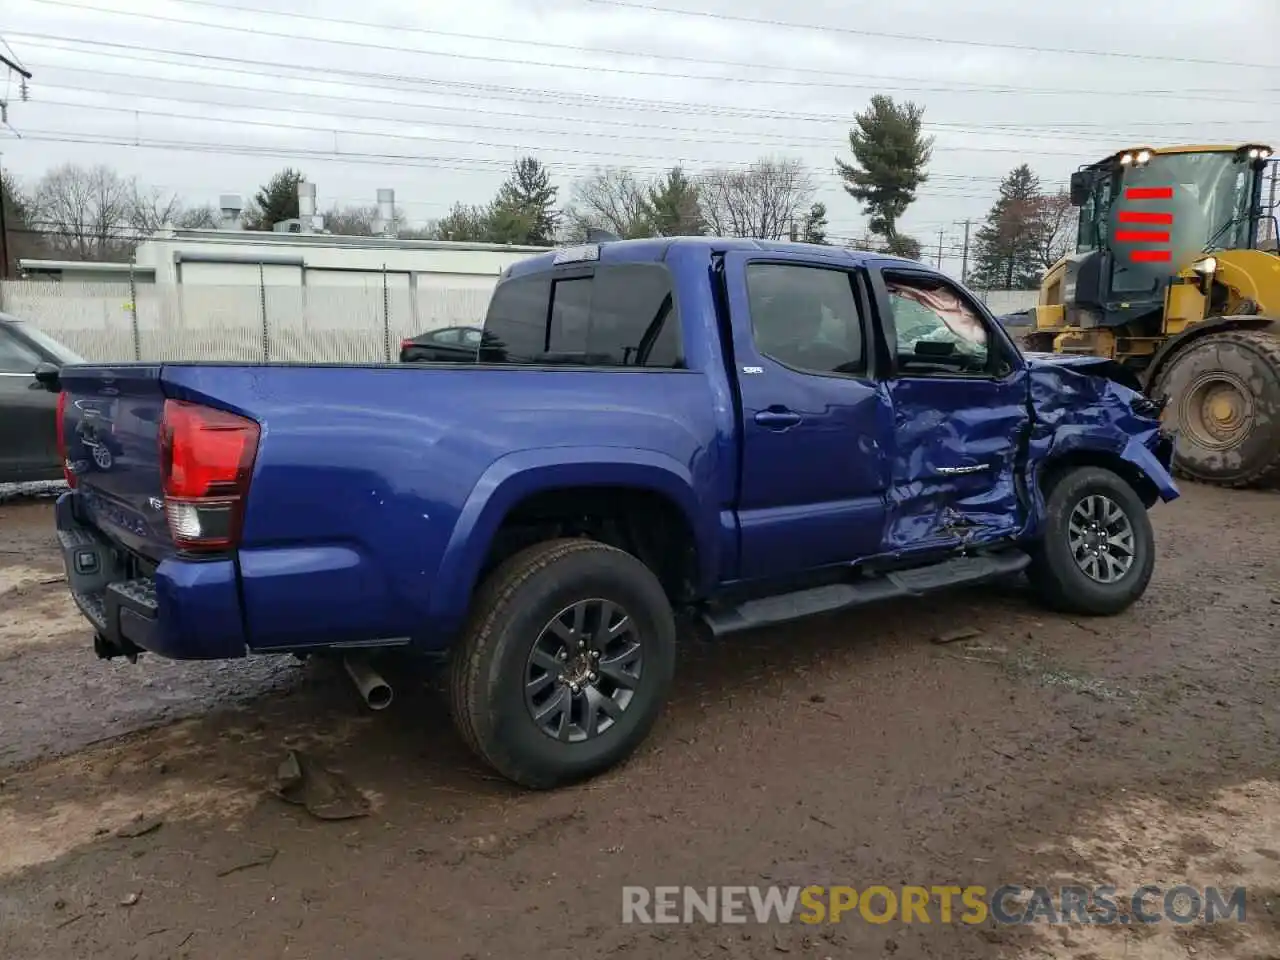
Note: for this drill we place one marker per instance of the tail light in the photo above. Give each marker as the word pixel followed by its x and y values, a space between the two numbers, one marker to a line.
pixel 406 344
pixel 62 439
pixel 206 459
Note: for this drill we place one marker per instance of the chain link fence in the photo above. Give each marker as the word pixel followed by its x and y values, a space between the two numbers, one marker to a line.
pixel 250 323
pixel 362 323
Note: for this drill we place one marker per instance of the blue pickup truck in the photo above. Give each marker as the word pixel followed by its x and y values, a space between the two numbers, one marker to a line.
pixel 723 434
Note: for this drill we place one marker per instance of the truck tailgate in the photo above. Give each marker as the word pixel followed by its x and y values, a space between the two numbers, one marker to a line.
pixel 111 422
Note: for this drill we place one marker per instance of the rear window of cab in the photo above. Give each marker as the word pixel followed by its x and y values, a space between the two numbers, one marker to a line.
pixel 622 315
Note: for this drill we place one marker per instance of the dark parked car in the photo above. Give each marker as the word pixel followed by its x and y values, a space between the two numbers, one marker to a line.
pixel 28 426
pixel 452 345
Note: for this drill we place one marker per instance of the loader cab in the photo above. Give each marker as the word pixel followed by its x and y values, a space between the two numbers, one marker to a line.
pixel 1147 213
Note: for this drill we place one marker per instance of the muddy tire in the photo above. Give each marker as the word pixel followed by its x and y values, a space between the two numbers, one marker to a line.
pixel 1097 552
pixel 1224 401
pixel 565 662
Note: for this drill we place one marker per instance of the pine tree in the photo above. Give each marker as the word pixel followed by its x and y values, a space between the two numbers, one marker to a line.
pixel 890 154
pixel 815 224
pixel 1007 246
pixel 524 210
pixel 673 205
pixel 277 200
pixel 22 239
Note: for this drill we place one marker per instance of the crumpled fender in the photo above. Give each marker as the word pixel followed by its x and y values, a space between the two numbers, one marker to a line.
pixel 1094 405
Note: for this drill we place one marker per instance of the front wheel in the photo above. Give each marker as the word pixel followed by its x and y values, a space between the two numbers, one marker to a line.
pixel 1098 550
pixel 565 663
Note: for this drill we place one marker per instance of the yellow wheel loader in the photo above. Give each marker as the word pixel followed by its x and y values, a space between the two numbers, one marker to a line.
pixel 1176 275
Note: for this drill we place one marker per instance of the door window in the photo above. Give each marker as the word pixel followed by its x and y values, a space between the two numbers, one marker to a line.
pixel 937 331
pixel 806 318
pixel 16 357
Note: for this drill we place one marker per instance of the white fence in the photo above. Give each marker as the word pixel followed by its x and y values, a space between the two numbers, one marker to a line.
pixel 253 323
pixel 247 323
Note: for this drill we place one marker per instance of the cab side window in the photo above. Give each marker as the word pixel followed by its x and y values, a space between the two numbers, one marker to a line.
pixel 806 318
pixel 938 332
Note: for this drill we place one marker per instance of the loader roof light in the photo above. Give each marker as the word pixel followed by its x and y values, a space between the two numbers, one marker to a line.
pixel 1126 159
pixel 1144 156
pixel 1206 267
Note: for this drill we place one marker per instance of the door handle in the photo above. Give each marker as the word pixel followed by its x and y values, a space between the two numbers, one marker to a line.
pixel 777 418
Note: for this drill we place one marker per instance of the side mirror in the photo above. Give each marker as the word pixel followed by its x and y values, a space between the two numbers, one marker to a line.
pixel 1081 184
pixel 49 376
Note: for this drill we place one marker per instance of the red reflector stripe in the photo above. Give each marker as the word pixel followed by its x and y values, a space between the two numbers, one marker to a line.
pixel 1151 256
pixel 1141 216
pixel 1142 236
pixel 1148 193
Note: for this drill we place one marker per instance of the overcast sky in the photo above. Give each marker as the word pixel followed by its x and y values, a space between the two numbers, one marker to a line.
pixel 436 98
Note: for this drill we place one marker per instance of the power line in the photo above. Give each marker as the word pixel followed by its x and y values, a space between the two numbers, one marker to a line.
pixel 310 128
pixel 326 74
pixel 916 38
pixel 972 128
pixel 462 164
pixel 720 135
pixel 613 52
pixel 663 74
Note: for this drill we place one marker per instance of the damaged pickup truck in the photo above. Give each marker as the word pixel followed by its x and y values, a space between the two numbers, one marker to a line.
pixel 719 433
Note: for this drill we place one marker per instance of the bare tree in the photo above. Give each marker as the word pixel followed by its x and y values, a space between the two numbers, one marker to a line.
pixel 152 210
pixel 351 221
pixel 765 200
pixel 85 211
pixel 611 199
pixel 207 217
pixel 1056 227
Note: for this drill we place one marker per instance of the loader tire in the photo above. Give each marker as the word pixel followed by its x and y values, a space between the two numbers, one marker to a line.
pixel 1224 401
pixel 565 662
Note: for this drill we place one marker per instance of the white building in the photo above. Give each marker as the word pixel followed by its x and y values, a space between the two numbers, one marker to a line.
pixel 298 254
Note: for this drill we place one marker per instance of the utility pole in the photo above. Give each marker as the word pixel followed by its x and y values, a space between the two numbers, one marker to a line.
pixel 25 74
pixel 964 257
pixel 941 231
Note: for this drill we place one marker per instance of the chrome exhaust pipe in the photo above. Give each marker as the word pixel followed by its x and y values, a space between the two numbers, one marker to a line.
pixel 374 690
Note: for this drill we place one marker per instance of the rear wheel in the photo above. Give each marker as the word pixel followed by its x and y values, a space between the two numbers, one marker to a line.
pixel 565 664
pixel 1224 401
pixel 1098 550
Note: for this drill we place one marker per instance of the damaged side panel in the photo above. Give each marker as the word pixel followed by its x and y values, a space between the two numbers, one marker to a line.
pixel 956 471
pixel 1079 406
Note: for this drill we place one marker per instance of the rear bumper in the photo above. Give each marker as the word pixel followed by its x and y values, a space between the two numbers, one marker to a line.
pixel 188 610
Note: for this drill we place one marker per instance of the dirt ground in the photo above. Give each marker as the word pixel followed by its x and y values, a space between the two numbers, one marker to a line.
pixel 137 818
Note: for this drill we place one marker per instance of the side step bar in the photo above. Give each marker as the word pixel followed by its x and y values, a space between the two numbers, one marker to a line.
pixel 767 611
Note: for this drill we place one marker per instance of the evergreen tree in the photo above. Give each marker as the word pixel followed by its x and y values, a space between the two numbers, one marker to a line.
pixel 890 154
pixel 901 245
pixel 22 239
pixel 1007 247
pixel 815 224
pixel 525 209
pixel 673 205
pixel 277 200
